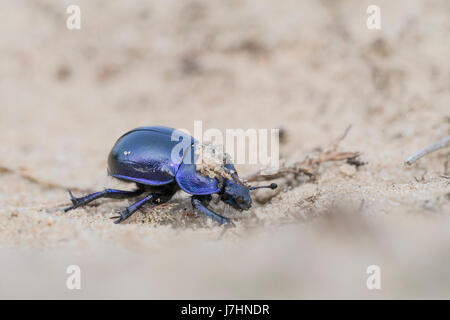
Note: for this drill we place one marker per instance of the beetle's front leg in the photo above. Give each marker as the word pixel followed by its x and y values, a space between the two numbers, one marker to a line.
pixel 200 203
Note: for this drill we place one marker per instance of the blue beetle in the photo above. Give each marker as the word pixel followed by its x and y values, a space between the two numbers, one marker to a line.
pixel 147 157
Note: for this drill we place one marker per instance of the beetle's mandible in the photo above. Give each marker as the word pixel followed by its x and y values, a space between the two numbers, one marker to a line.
pixel 144 156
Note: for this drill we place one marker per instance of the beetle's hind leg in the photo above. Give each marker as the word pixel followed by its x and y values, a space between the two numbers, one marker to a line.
pixel 200 203
pixel 107 193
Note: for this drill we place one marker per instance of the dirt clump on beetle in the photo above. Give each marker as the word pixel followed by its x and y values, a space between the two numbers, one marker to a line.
pixel 210 161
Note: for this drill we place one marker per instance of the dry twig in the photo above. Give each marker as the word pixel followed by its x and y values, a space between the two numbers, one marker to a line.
pixel 444 142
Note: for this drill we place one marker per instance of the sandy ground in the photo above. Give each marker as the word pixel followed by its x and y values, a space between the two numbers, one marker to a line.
pixel 311 67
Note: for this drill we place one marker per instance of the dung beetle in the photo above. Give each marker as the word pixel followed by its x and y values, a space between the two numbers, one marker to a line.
pixel 148 157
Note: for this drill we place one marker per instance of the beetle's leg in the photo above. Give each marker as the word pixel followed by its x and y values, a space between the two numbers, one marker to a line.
pixel 154 198
pixel 107 193
pixel 127 212
pixel 200 203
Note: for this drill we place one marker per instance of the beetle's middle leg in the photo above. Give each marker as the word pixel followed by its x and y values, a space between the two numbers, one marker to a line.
pixel 200 203
pixel 107 193
pixel 154 198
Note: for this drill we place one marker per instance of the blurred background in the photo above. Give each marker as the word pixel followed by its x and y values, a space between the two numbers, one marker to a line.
pixel 309 67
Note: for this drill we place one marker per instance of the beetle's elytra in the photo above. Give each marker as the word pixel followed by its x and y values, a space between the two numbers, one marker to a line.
pixel 144 156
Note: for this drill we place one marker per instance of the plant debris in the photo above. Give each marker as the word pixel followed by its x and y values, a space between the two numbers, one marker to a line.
pixel 311 164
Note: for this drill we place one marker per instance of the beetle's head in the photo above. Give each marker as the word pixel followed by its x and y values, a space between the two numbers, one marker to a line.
pixel 237 194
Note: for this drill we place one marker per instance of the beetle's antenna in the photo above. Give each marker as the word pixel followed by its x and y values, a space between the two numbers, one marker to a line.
pixel 271 186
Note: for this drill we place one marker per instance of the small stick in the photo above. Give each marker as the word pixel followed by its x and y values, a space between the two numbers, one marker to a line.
pixel 324 157
pixel 444 142
pixel 258 176
pixel 336 143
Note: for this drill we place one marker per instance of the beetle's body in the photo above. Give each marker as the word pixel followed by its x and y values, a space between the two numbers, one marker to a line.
pixel 160 161
pixel 143 155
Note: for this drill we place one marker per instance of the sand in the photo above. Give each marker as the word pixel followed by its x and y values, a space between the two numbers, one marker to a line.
pixel 309 67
